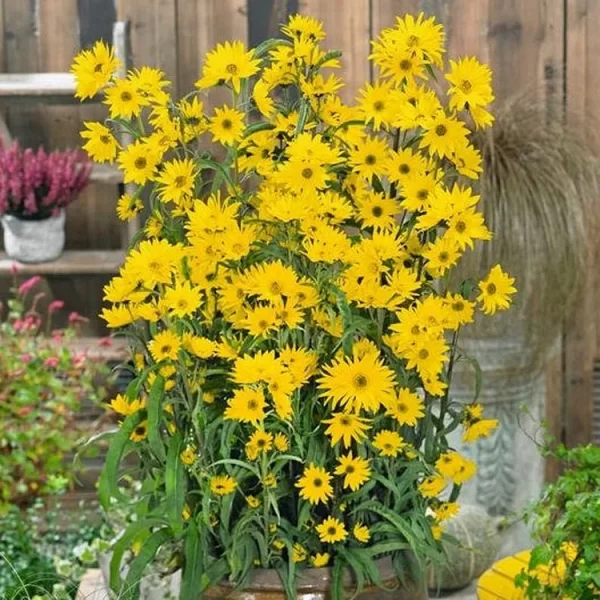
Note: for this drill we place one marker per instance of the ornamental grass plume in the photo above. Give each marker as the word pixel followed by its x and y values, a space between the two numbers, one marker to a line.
pixel 34 185
pixel 289 306
pixel 539 189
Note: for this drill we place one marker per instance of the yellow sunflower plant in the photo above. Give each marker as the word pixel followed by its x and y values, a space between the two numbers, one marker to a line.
pixel 292 316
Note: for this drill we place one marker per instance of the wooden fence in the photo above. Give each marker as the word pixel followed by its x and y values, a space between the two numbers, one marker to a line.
pixel 550 44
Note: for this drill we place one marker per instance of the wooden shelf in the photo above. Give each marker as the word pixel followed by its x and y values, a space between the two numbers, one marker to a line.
pixel 52 88
pixel 70 262
pixel 106 174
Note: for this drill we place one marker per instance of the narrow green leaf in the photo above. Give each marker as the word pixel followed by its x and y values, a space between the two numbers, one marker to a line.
pixel 108 483
pixel 124 543
pixel 268 45
pixel 337 579
pixel 131 586
pixel 175 483
pixel 302 117
pixel 193 568
pixel 155 418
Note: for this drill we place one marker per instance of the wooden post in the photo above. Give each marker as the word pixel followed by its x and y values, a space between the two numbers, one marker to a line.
pixel 122 45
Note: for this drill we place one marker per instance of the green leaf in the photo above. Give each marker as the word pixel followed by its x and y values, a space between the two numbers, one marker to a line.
pixel 302 117
pixel 131 588
pixel 214 573
pixel 256 127
pixel 337 579
pixel 478 375
pixel 268 45
pixel 238 463
pixel 206 163
pixel 175 483
pixel 124 543
pixel 155 418
pixel 108 483
pixel 540 555
pixel 193 568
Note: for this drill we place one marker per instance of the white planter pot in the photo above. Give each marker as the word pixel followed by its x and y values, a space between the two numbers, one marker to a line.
pixel 152 586
pixel 34 241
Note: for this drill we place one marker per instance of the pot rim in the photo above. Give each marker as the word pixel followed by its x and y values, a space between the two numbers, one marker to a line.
pixel 58 216
pixel 315 579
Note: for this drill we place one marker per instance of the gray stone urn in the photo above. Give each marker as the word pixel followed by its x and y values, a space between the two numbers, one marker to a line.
pixel 34 241
pixel 510 470
pixel 476 544
pixel 152 587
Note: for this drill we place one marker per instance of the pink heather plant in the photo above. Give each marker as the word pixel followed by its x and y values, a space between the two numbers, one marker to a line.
pixel 34 185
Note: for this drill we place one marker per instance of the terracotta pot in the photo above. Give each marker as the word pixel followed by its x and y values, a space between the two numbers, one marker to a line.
pixel 315 584
pixel 34 241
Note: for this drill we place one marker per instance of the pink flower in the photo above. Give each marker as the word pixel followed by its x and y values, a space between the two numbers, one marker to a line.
pixel 25 358
pixel 18 324
pixel 26 286
pixel 75 317
pixel 79 359
pixel 51 362
pixel 55 305
pixel 14 269
pixel 57 335
pixel 105 342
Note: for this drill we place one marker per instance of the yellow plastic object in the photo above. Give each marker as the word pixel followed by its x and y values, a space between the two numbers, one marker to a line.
pixel 497 583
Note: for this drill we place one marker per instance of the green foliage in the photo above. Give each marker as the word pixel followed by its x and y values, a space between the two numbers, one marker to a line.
pixel 42 553
pixel 42 383
pixel 566 522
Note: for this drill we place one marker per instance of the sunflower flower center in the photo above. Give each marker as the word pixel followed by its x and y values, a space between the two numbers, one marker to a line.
pixel 441 130
pixel 458 306
pixel 401 407
pixel 491 288
pixel 423 353
pixel 360 382
pixel 460 226
pixel 377 211
pixel 405 64
pixel 370 159
pixel 252 404
pixel 404 169
pixel 465 85
pixel 317 482
pixel 378 106
pixel 126 96
pixel 105 139
pixel 444 256
pixel 232 69
pixel 140 430
pixel 331 530
pixel 423 194
pixel 227 124
pixel 413 40
pixel 180 181
pixel 166 348
pixel 349 469
pixel 307 173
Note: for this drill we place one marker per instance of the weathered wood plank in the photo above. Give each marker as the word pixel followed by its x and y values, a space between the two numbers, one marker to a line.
pixel 153 33
pixel 347 24
pixel 583 92
pixel 71 262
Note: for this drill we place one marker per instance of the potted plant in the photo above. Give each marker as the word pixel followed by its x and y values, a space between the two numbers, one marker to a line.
pixel 42 382
pixel 566 527
pixel 288 305
pixel 35 189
